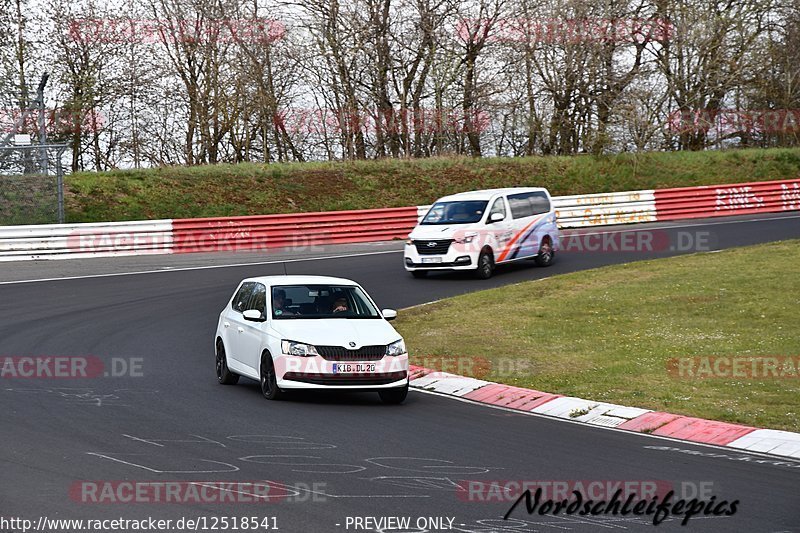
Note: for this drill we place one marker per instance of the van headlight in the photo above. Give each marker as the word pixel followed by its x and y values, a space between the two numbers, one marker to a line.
pixel 298 348
pixel 466 239
pixel 396 348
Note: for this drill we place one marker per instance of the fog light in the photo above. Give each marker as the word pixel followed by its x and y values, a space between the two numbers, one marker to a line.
pixel 463 259
pixel 409 262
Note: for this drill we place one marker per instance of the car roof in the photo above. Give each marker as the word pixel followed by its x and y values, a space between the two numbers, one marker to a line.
pixel 487 194
pixel 271 281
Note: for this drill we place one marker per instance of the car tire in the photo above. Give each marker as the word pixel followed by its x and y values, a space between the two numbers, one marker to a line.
pixel 224 374
pixel 268 379
pixel 485 265
pixel 394 396
pixel 546 255
pixel 419 273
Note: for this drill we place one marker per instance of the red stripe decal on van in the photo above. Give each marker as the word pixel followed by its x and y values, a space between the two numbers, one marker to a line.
pixel 516 237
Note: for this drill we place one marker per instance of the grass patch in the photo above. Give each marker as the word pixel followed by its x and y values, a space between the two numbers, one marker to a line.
pixel 257 189
pixel 608 334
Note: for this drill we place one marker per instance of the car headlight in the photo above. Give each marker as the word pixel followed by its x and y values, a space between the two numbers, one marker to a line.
pixel 298 348
pixel 466 239
pixel 409 241
pixel 396 348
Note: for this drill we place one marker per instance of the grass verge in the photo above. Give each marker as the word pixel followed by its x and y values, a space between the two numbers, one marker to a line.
pixel 257 189
pixel 608 334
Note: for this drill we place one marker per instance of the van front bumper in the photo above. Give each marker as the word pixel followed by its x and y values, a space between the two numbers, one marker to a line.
pixel 452 260
pixel 465 263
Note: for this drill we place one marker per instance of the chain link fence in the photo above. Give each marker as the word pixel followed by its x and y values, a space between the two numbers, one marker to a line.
pixel 31 184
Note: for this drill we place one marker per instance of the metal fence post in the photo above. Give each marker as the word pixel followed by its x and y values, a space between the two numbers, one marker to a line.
pixel 60 182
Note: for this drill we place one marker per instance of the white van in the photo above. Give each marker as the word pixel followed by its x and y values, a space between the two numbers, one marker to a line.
pixel 481 229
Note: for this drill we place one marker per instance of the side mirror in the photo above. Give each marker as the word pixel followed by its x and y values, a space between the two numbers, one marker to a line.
pixel 389 314
pixel 496 217
pixel 254 315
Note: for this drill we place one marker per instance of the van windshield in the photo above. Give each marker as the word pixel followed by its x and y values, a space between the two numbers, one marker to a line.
pixel 464 212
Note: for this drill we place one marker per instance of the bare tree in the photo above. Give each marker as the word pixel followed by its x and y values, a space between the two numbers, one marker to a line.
pixel 707 56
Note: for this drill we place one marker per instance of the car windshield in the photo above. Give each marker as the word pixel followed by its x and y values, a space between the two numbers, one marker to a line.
pixel 321 301
pixel 465 212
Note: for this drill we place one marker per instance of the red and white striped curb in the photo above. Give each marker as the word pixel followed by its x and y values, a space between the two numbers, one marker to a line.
pixel 770 441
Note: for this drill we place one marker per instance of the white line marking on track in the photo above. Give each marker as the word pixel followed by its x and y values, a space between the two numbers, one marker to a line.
pixel 205 267
pixel 633 227
pixel 142 440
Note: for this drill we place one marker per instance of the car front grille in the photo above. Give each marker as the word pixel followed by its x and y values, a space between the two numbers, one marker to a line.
pixel 340 353
pixel 439 247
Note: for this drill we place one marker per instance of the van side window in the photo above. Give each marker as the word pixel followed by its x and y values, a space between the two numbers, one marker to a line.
pixel 527 204
pixel 498 207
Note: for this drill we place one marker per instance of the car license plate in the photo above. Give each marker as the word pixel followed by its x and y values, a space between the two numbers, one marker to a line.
pixel 353 368
pixel 431 259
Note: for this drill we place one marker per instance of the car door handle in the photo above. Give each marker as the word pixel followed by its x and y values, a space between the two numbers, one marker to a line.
pixel 226 324
pixel 240 329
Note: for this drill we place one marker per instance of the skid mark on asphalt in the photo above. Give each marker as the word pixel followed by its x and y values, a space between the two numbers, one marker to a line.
pixel 193 455
pixel 86 396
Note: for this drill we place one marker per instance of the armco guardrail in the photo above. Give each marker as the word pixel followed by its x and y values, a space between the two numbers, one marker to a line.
pixel 58 241
pixel 295 230
pixel 605 209
pixel 312 229
pixel 723 200
pixel 599 209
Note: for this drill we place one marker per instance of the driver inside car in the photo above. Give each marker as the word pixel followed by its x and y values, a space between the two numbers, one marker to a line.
pixel 279 302
pixel 339 305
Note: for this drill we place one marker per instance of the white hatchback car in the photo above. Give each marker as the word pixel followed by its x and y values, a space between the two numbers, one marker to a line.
pixel 304 332
pixel 478 230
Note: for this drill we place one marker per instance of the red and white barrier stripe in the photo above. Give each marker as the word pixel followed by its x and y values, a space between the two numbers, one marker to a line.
pixel 59 241
pixel 303 230
pixel 783 443
pixel 725 200
pixel 297 231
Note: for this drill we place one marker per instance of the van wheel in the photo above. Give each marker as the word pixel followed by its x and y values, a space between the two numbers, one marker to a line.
pixel 393 396
pixel 224 375
pixel 546 255
pixel 269 380
pixel 419 273
pixel 485 265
